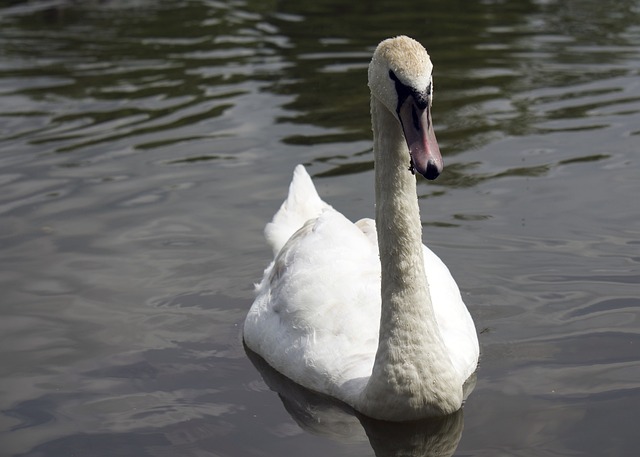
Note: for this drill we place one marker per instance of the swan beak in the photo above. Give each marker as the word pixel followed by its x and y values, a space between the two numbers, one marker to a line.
pixel 421 139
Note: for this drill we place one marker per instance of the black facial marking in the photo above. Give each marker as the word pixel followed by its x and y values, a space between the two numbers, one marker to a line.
pixel 421 98
pixel 402 90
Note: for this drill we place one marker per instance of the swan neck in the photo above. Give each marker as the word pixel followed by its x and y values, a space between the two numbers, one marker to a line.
pixel 412 375
pixel 397 210
pixel 398 220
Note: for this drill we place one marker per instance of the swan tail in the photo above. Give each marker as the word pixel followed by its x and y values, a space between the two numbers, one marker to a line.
pixel 302 203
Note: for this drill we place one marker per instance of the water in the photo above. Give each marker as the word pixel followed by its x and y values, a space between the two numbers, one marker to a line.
pixel 143 146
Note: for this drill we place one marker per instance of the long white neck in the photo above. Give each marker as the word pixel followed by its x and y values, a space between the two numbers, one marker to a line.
pixel 412 376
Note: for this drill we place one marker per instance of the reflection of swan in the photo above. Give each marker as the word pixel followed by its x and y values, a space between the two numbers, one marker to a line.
pixel 374 331
pixel 324 416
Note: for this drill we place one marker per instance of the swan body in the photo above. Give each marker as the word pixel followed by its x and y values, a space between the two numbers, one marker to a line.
pixel 370 317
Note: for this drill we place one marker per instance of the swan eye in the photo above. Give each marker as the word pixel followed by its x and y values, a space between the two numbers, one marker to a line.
pixel 422 99
pixel 404 91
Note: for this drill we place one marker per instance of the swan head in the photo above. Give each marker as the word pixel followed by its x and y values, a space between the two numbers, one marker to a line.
pixel 400 77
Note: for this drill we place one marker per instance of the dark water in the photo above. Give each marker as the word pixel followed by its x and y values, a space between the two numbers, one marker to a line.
pixel 143 146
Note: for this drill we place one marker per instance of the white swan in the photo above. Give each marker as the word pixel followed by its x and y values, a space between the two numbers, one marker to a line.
pixel 373 319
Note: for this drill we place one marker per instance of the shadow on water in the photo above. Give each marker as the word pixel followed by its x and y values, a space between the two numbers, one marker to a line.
pixel 325 416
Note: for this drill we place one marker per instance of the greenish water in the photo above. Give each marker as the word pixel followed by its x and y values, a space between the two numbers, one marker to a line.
pixel 144 145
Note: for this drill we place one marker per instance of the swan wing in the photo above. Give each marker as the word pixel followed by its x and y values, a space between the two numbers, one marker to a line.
pixel 317 311
pixel 454 321
pixel 368 227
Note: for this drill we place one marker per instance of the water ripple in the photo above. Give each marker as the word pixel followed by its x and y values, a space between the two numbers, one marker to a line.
pixel 144 144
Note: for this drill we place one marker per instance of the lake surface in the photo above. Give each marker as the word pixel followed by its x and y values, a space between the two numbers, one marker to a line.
pixel 144 145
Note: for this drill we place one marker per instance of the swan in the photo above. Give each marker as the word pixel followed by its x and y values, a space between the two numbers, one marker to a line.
pixel 364 312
